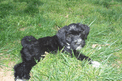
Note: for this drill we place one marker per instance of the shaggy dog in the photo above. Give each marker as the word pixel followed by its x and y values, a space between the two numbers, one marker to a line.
pixel 68 39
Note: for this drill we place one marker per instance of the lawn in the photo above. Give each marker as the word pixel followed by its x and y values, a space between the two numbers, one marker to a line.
pixel 40 18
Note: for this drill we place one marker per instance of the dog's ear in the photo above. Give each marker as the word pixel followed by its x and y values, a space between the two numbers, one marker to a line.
pixel 62 35
pixel 86 30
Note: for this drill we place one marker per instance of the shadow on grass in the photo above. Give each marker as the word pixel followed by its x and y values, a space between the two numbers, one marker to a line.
pixel 5 9
pixel 32 5
pixel 10 8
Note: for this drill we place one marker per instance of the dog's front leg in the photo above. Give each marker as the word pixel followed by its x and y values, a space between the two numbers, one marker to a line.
pixel 81 57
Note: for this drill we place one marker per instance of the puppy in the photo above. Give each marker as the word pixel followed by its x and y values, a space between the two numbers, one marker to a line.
pixel 68 39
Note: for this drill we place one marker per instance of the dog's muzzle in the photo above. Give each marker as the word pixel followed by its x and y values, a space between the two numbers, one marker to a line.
pixel 76 44
pixel 79 44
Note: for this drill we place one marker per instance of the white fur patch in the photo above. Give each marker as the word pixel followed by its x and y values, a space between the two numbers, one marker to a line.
pixel 72 27
pixel 95 64
pixel 79 41
pixel 78 48
pixel 68 45
pixel 20 80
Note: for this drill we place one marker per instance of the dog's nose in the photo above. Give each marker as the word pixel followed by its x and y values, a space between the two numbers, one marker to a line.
pixel 78 48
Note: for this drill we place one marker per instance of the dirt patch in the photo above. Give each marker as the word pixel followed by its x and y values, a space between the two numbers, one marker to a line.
pixel 6 73
pixel 22 29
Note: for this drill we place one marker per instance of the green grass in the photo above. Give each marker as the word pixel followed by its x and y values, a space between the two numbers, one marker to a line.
pixel 40 18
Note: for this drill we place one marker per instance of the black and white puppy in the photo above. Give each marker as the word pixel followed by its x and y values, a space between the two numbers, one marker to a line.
pixel 69 39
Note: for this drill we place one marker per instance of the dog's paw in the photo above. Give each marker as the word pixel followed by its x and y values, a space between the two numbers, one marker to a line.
pixel 95 64
pixel 21 80
pixel 18 79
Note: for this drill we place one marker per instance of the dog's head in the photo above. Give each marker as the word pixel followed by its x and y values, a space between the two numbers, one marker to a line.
pixel 73 36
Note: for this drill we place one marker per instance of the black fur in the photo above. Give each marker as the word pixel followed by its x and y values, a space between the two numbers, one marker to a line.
pixel 69 38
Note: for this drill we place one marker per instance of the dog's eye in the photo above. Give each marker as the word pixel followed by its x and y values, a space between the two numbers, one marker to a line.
pixel 75 33
pixel 76 42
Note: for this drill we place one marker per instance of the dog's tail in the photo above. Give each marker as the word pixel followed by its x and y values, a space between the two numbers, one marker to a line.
pixel 28 40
